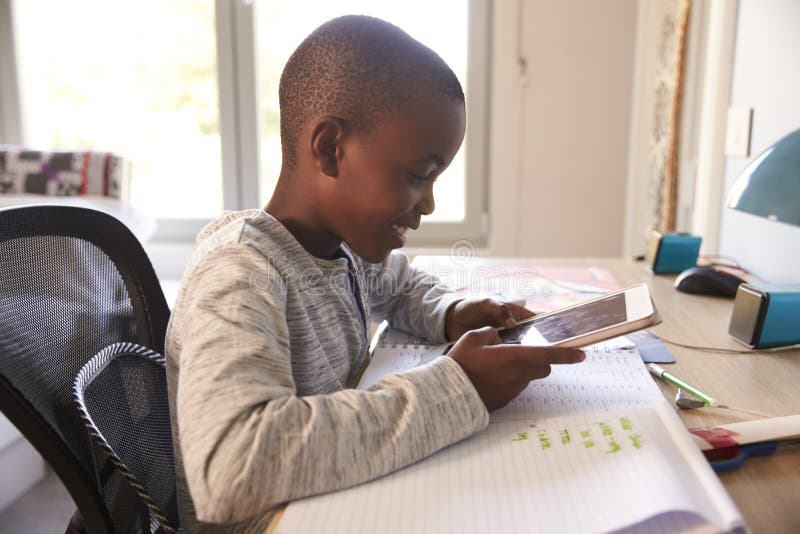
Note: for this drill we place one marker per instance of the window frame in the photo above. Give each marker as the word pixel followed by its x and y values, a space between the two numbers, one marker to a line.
pixel 10 98
pixel 236 34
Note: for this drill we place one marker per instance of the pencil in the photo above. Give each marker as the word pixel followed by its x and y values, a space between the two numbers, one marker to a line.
pixel 675 381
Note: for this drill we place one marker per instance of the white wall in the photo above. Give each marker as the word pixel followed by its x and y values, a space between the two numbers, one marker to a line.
pixel 766 77
pixel 20 465
pixel 559 130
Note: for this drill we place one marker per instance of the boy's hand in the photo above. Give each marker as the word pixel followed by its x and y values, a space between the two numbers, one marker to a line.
pixel 469 314
pixel 500 372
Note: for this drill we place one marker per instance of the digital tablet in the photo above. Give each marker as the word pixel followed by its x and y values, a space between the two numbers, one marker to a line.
pixel 588 322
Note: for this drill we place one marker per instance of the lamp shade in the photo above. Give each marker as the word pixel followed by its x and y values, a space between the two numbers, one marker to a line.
pixel 770 184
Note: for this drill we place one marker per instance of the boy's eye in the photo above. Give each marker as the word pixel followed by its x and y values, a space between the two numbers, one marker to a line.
pixel 416 179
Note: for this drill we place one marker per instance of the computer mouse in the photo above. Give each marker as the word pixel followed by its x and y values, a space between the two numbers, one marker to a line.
pixel 708 281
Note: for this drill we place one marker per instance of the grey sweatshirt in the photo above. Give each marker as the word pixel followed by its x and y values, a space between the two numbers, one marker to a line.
pixel 263 342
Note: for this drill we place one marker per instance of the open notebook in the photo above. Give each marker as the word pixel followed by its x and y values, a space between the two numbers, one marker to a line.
pixel 594 447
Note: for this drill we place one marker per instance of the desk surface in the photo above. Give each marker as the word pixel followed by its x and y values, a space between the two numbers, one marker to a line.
pixel 766 489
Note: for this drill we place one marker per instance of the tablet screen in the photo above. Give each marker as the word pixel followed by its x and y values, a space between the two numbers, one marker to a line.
pixel 580 320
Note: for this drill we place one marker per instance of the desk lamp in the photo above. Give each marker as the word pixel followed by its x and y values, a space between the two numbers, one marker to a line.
pixel 770 185
pixel 768 315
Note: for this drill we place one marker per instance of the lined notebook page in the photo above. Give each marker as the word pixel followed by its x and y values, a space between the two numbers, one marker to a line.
pixel 593 447
pixel 611 377
pixel 580 473
pixel 397 352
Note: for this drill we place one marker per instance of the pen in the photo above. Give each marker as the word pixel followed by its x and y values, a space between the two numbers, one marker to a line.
pixel 674 380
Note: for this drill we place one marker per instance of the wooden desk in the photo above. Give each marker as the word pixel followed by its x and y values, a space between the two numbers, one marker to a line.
pixel 766 489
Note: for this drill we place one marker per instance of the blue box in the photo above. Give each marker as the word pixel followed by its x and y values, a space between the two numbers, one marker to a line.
pixel 672 253
pixel 766 315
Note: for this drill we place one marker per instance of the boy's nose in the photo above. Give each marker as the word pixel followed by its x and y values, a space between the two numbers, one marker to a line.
pixel 426 205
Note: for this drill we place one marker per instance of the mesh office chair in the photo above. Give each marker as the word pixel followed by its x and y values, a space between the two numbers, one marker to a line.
pixel 122 396
pixel 72 282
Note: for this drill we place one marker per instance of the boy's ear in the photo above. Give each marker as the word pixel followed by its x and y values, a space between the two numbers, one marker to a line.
pixel 327 137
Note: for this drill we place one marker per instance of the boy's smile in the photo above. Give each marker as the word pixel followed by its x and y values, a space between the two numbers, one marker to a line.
pixel 385 177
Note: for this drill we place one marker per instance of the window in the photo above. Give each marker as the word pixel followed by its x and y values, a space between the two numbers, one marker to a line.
pixel 187 90
pixel 137 78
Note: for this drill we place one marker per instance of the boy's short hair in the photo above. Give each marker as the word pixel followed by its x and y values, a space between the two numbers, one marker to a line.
pixel 357 68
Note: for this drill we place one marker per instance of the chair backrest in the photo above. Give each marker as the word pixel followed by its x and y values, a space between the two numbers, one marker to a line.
pixel 72 281
pixel 122 396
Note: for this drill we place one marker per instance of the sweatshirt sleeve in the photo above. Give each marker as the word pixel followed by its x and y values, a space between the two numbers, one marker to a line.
pixel 408 298
pixel 248 440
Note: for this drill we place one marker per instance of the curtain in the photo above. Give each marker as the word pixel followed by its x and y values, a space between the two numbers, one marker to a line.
pixel 664 136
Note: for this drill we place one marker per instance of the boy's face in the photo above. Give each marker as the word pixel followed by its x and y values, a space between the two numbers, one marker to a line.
pixel 385 181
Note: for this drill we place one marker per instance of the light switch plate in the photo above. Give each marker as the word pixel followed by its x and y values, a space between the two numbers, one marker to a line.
pixel 737 138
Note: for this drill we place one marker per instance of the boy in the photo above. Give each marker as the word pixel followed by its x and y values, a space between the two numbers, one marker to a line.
pixel 271 322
